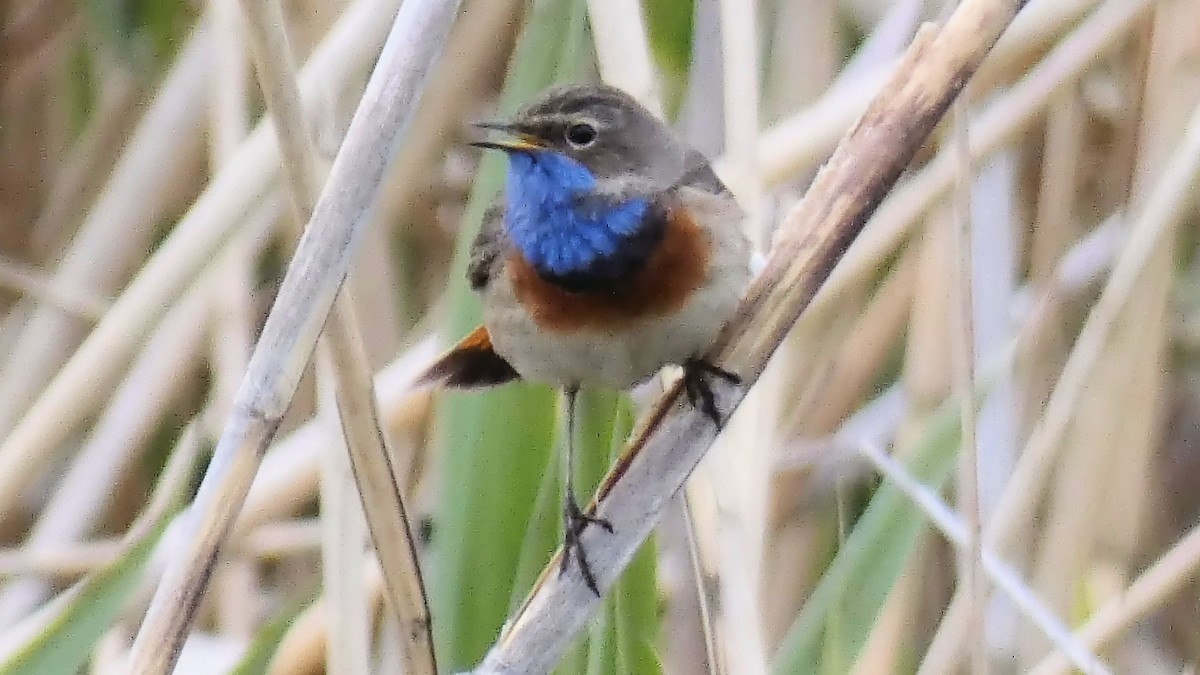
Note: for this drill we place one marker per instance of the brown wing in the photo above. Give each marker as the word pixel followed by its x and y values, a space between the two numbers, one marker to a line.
pixel 470 364
pixel 488 249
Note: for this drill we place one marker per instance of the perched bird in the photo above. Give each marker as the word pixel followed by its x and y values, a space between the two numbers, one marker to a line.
pixel 615 251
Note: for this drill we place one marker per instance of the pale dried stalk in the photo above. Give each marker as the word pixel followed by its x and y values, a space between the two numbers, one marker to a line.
pixel 120 433
pixel 622 50
pixel 343 532
pixel 169 494
pixel 288 477
pixel 231 288
pixel 84 492
pixel 301 650
pixel 82 171
pixel 117 229
pixel 270 541
pixel 1075 271
pixel 81 383
pixel 945 650
pixel 962 359
pixel 290 334
pixel 742 458
pixel 672 440
pixel 79 302
pixel 342 520
pixel 370 458
pixel 472 43
pixel 995 126
pixel 1146 594
pixel 1162 210
pixel 804 139
pixel 995 263
pixel 467 68
pixel 1004 576
pixel 702 580
pixel 1170 96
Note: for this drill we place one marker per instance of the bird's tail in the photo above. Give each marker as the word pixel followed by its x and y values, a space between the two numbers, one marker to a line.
pixel 470 364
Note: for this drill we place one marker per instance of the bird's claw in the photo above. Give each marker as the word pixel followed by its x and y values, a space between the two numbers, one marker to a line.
pixel 575 521
pixel 699 389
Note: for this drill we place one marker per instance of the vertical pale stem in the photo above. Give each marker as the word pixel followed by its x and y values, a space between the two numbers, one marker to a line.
pixel 742 455
pixel 962 341
pixel 231 287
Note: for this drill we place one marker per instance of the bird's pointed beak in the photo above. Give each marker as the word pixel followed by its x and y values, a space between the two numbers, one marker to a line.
pixel 518 141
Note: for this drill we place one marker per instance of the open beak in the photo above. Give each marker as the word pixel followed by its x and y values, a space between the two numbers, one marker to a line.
pixel 519 141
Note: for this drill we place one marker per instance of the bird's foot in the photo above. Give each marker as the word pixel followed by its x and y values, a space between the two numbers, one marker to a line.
pixel 575 521
pixel 699 390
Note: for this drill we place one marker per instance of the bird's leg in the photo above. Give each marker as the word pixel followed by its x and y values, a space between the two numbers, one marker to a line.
pixel 699 390
pixel 575 519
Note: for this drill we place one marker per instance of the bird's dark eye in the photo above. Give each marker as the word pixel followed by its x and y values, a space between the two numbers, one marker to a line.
pixel 581 134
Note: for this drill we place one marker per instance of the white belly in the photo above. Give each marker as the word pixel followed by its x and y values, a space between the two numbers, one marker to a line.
pixel 620 359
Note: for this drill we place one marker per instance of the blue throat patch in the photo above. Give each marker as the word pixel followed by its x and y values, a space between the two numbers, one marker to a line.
pixel 551 221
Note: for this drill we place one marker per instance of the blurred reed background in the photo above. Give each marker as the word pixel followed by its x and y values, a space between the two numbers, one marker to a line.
pixel 1038 258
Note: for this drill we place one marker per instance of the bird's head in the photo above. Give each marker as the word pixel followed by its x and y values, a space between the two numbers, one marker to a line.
pixel 584 162
pixel 601 129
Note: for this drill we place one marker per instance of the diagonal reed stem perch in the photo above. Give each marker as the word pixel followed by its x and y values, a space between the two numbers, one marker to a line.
pixel 296 319
pixel 672 440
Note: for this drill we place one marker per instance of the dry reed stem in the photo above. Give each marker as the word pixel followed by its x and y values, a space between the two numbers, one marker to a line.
pixel 82 171
pixel 85 491
pixel 1105 448
pixel 301 307
pixel 1003 575
pixel 1169 95
pixel 288 476
pixel 118 227
pixel 80 384
pixel 702 580
pixel 343 533
pixel 168 495
pixel 230 290
pixel 804 139
pixel 996 125
pixel 379 488
pixel 996 262
pixel 307 640
pixel 1162 209
pixel 622 50
pixel 962 366
pixel 342 348
pixel 742 457
pixel 1075 270
pixel 671 441
pixel 476 47
pixel 272 540
pixel 945 650
pixel 78 301
pixel 1146 594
